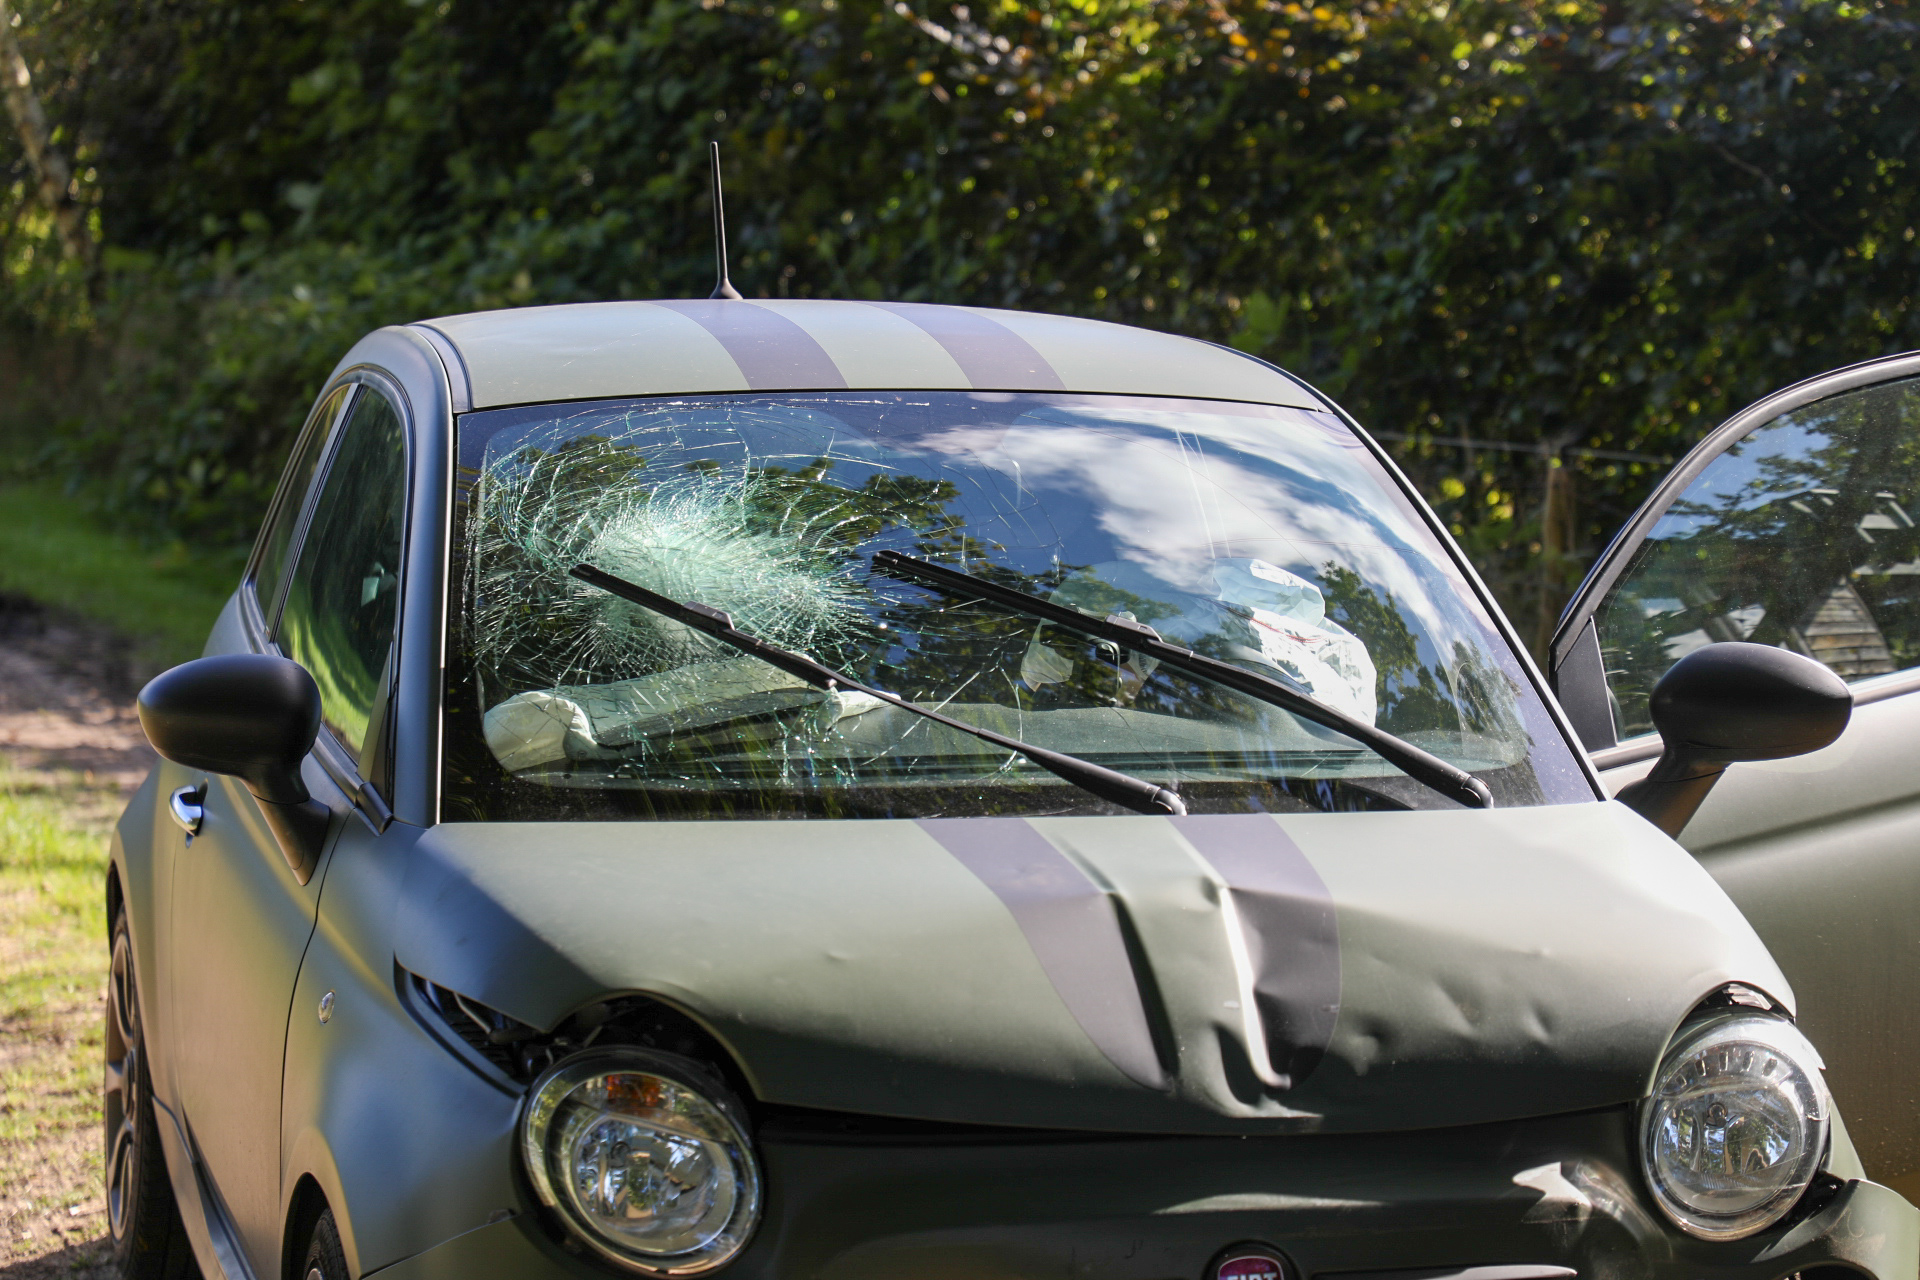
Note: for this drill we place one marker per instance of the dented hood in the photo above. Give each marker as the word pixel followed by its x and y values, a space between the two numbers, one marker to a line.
pixel 1237 974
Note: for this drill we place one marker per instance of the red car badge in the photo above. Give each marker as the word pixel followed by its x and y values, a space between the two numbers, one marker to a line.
pixel 1249 1262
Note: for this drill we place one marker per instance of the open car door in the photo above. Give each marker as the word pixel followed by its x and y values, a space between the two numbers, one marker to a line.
pixel 1796 524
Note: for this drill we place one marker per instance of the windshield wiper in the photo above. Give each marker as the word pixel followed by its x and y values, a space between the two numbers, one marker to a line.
pixel 1120 788
pixel 1422 766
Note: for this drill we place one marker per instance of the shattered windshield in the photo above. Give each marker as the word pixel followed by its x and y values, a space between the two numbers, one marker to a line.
pixel 1262 536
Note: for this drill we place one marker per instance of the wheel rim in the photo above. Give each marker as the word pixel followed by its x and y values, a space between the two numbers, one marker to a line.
pixel 122 1085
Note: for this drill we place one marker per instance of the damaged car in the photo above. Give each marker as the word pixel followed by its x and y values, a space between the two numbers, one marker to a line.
pixel 859 790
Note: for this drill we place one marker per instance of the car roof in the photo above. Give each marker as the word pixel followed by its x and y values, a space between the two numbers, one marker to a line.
pixel 602 350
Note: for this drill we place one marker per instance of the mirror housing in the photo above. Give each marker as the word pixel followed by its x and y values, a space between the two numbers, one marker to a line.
pixel 252 716
pixel 1729 702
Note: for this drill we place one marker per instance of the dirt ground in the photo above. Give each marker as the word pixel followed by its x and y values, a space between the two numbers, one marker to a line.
pixel 69 737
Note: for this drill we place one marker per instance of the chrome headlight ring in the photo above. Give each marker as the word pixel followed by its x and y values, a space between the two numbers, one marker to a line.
pixel 1737 1126
pixel 645 1158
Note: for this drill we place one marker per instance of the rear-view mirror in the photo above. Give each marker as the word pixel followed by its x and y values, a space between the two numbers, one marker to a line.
pixel 1725 703
pixel 252 716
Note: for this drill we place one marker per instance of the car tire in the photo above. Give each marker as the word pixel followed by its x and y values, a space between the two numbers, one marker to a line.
pixel 326 1260
pixel 149 1239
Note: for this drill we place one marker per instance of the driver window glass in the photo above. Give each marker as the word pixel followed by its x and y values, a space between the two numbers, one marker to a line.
pixel 342 600
pixel 1803 535
pixel 277 538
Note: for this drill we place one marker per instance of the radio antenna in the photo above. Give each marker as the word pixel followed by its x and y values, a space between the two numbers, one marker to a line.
pixel 725 288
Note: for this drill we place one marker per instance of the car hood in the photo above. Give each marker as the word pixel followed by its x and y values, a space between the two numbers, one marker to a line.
pixel 1239 974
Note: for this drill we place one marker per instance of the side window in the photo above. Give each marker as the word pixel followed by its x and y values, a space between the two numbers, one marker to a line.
pixel 1803 535
pixel 343 597
pixel 284 518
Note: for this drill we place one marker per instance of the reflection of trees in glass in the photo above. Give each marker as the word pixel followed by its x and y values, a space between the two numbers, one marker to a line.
pixel 780 500
pixel 339 614
pixel 955 648
pixel 1467 697
pixel 755 508
pixel 1816 551
pixel 785 550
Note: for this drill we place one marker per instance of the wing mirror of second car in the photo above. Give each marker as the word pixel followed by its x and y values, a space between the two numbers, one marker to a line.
pixel 252 716
pixel 1724 703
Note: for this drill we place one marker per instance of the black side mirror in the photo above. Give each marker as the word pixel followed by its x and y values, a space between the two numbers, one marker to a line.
pixel 253 716
pixel 1724 703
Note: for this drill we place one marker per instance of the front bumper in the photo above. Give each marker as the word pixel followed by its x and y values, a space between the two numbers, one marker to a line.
pixel 1558 1192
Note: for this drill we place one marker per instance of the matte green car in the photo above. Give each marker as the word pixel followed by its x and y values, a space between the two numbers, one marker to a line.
pixel 860 790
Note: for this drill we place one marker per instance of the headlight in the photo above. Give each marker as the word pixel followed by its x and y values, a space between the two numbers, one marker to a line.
pixel 1736 1128
pixel 646 1159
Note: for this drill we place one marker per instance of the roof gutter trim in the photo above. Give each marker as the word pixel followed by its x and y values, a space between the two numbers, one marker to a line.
pixel 459 383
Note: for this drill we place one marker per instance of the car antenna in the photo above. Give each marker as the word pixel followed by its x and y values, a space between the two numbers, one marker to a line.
pixel 725 288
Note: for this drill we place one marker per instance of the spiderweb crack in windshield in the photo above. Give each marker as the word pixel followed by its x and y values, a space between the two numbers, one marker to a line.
pixel 698 537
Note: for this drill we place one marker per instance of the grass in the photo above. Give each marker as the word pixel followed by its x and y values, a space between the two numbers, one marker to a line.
pixel 53 959
pixel 54 830
pixel 55 551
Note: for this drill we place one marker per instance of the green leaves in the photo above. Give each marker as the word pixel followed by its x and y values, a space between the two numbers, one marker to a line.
pixel 1531 223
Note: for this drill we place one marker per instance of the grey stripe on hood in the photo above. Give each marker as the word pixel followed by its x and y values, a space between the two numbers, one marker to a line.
pixel 1292 936
pixel 1072 927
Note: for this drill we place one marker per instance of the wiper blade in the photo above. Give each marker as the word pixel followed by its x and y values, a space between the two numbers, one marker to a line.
pixel 1109 784
pixel 1422 766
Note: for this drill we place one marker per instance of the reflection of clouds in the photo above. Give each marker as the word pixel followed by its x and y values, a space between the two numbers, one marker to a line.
pixel 1173 505
pixel 1174 489
pixel 1338 456
pixel 1749 475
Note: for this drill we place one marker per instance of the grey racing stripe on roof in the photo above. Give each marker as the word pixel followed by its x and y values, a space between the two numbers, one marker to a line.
pixel 1288 922
pixel 993 357
pixel 772 351
pixel 1071 927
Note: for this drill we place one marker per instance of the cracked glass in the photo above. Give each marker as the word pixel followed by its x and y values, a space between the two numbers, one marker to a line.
pixel 1263 536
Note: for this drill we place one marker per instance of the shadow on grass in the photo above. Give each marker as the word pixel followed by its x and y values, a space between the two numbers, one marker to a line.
pixel 87 1260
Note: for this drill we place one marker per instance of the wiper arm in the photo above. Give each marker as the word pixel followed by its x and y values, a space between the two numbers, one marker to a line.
pixel 1422 766
pixel 1109 784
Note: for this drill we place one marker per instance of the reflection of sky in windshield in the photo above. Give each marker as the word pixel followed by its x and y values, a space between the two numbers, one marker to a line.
pixel 1266 536
pixel 1171 486
pixel 1174 492
pixel 1729 481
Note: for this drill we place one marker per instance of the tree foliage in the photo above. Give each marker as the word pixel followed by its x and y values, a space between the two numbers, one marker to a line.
pixel 1563 229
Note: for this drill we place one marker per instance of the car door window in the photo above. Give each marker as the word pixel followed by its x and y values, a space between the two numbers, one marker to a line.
pixel 277 537
pixel 1802 535
pixel 343 597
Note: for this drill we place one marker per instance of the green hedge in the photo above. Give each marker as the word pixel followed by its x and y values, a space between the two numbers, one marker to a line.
pixel 1570 226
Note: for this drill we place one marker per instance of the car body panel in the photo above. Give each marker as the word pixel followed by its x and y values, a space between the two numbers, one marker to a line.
pixel 1822 854
pixel 410 1145
pixel 1822 851
pixel 1550 1192
pixel 140 855
pixel 1489 965
pixel 601 350
pixel 241 922
pixel 238 927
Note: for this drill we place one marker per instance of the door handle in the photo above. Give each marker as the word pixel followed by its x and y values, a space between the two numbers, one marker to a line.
pixel 187 805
